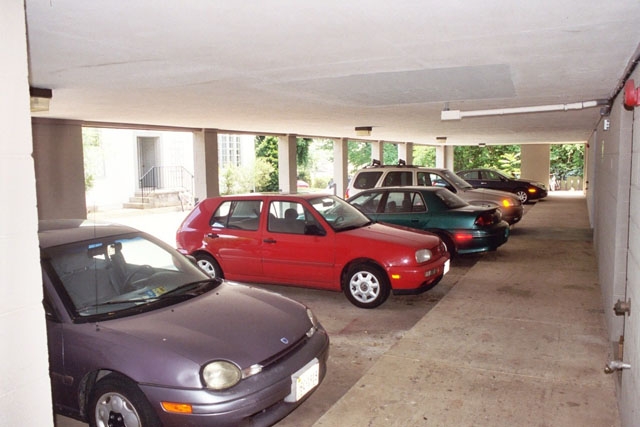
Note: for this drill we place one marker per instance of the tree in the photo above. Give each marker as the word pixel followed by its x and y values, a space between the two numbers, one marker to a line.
pixel 424 155
pixel 503 157
pixel 267 149
pixel 567 160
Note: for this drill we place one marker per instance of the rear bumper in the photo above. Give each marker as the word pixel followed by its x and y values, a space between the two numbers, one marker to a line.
pixel 484 240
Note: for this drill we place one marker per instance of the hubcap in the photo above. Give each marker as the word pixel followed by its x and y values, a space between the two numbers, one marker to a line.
pixel 207 267
pixel 364 287
pixel 114 410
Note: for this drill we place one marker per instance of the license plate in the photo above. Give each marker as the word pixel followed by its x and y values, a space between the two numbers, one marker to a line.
pixel 447 263
pixel 303 381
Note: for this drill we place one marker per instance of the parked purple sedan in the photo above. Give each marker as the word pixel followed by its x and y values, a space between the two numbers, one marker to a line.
pixel 139 336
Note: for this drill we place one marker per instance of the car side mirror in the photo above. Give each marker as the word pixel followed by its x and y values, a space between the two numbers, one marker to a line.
pixel 314 230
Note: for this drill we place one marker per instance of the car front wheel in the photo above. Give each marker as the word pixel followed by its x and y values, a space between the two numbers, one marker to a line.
pixel 522 195
pixel 366 286
pixel 209 265
pixel 117 402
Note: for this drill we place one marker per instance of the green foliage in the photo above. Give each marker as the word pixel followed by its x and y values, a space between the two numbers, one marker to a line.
pixel 267 150
pixel 424 155
pixel 359 155
pixel 567 160
pixel 503 157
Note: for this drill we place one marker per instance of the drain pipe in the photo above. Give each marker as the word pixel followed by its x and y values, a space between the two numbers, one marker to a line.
pixel 458 115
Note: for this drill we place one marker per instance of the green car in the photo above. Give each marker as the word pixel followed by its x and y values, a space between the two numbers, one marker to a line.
pixel 464 228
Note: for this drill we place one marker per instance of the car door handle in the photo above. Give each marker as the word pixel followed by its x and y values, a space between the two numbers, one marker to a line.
pixel 269 240
pixel 212 235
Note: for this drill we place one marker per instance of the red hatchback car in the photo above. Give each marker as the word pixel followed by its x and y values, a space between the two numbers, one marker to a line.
pixel 312 240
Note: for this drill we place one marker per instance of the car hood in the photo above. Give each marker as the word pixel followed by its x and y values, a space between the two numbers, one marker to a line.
pixel 391 234
pixel 239 323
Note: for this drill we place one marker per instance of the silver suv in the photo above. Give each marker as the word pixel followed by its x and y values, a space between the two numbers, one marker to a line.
pixel 379 175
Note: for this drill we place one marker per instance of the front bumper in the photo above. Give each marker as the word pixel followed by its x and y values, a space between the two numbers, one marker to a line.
pixel 256 401
pixel 416 279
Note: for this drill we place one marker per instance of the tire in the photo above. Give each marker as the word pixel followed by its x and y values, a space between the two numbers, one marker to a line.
pixel 522 194
pixel 366 286
pixel 209 265
pixel 448 242
pixel 117 402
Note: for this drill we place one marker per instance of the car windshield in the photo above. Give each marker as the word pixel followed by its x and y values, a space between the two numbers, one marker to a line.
pixel 117 274
pixel 339 214
pixel 455 180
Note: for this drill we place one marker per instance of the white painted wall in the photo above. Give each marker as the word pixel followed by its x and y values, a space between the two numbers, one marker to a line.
pixel 25 393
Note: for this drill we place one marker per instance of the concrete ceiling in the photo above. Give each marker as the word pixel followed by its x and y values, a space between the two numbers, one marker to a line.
pixel 323 68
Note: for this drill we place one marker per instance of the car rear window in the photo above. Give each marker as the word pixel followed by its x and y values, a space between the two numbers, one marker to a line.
pixel 238 214
pixel 366 180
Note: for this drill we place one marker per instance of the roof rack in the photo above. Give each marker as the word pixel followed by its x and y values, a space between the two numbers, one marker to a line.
pixel 375 163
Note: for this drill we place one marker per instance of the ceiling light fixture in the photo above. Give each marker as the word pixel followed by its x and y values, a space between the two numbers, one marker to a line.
pixel 441 139
pixel 363 130
pixel 39 99
pixel 458 115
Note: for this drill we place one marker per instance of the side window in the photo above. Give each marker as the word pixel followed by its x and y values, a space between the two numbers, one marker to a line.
pixel 368 203
pixel 424 179
pixel 491 175
pixel 416 204
pixel 471 175
pixel 289 217
pixel 238 214
pixel 437 180
pixel 404 201
pixel 394 179
pixel 367 179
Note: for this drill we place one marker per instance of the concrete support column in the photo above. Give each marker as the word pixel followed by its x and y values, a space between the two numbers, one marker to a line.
pixel 377 151
pixel 444 157
pixel 340 166
pixel 287 166
pixel 205 164
pixel 405 152
pixel 25 387
pixel 535 159
pixel 59 163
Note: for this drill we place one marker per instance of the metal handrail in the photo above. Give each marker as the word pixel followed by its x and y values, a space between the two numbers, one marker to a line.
pixel 168 177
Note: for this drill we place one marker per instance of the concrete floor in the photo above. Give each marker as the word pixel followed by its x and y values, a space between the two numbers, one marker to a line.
pixel 511 338
pixel 519 341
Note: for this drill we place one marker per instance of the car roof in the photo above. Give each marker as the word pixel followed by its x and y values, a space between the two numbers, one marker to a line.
pixel 63 231
pixel 245 196
pixel 403 188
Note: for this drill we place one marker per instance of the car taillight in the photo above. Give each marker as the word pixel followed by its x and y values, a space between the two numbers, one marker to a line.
pixel 485 219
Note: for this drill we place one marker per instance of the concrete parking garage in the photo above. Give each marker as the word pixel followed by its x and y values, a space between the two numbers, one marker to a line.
pixel 512 337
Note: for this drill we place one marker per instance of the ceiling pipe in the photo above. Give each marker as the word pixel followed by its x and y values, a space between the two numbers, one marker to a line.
pixel 458 115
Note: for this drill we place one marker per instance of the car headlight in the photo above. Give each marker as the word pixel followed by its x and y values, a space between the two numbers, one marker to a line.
pixel 220 375
pixel 423 255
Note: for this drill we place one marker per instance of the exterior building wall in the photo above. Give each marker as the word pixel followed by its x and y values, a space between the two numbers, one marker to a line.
pixel 25 387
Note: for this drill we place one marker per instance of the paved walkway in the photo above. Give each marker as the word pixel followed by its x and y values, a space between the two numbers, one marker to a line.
pixel 519 341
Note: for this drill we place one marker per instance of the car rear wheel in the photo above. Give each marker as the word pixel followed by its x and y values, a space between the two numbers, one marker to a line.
pixel 209 265
pixel 366 286
pixel 117 402
pixel 522 194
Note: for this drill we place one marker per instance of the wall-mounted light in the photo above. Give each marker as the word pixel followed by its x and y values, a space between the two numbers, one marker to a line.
pixel 363 130
pixel 441 139
pixel 40 98
pixel 482 144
